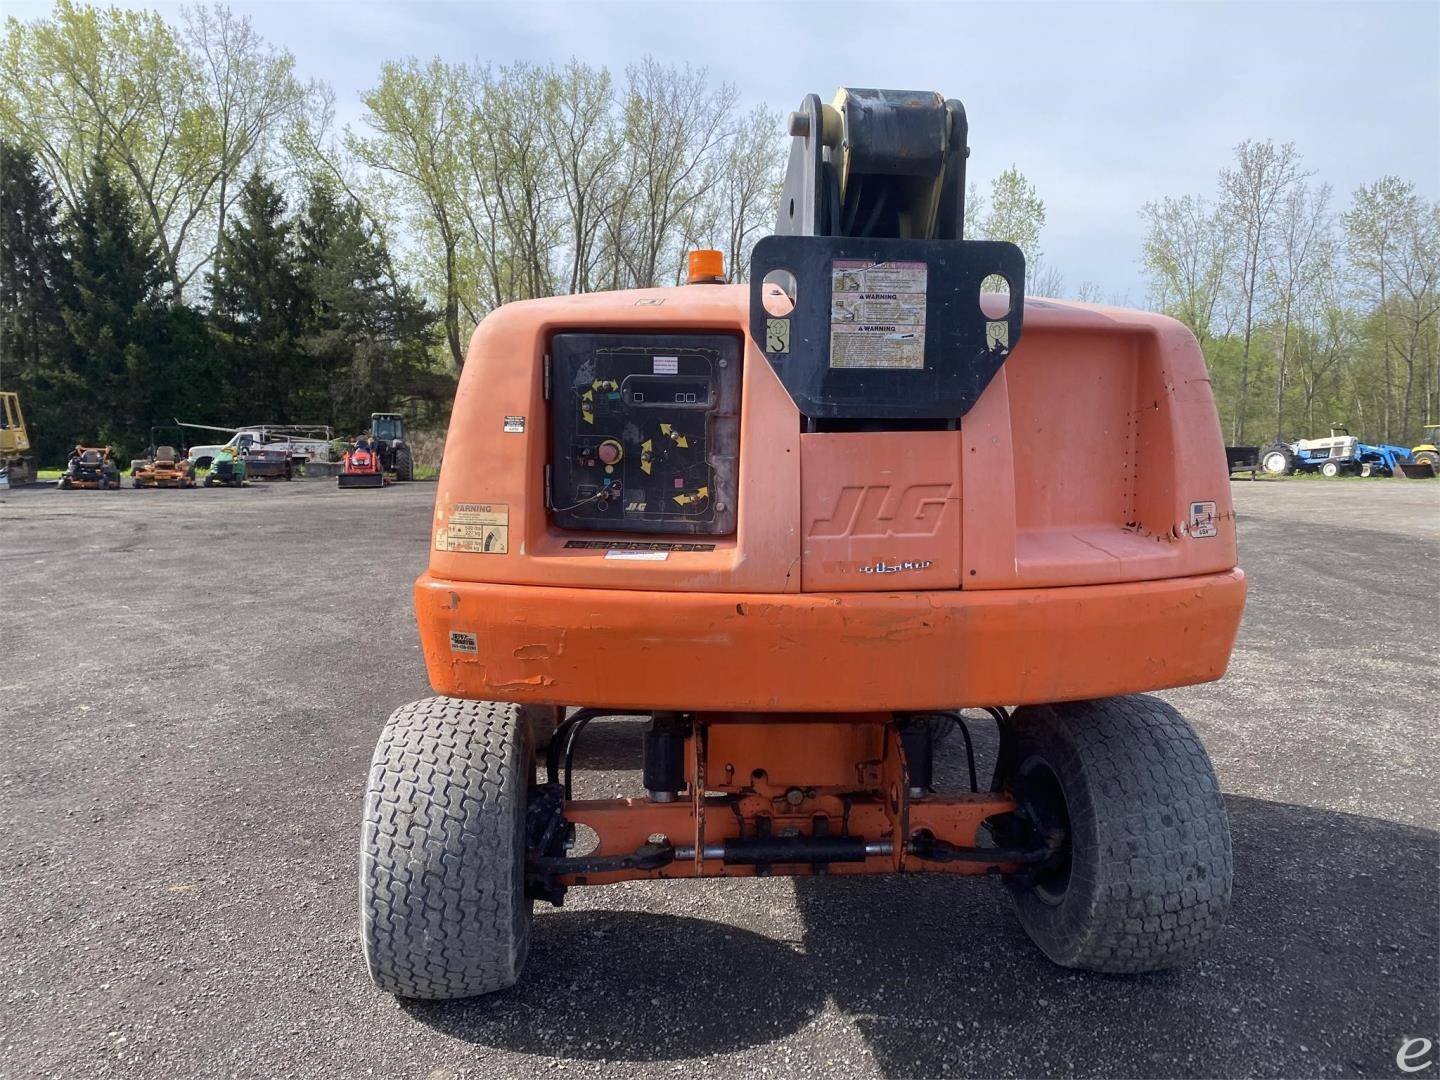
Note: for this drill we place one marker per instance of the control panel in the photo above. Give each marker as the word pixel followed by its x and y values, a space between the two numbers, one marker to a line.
pixel 645 432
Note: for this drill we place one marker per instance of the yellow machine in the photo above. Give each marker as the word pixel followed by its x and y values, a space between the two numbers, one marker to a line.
pixel 15 459
pixel 1428 452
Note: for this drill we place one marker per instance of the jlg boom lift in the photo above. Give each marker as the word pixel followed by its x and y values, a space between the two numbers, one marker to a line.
pixel 789 522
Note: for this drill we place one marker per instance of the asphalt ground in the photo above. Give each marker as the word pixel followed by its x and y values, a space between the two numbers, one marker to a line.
pixel 192 682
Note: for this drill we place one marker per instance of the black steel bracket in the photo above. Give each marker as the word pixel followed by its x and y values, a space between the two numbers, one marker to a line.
pixel 963 345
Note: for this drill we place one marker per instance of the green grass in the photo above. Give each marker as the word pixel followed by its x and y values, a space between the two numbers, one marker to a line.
pixel 1318 477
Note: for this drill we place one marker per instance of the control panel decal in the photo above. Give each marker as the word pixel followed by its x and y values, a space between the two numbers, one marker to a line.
pixel 645 432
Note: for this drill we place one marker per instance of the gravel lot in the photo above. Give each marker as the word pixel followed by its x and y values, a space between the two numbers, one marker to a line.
pixel 192 684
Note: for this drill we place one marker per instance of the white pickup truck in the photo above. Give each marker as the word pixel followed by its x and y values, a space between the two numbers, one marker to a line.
pixel 302 443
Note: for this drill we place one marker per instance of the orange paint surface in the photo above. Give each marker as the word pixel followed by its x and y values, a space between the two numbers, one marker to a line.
pixel 822 652
pixel 1047 550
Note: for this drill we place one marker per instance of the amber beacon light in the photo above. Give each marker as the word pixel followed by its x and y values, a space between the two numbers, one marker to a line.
pixel 707 267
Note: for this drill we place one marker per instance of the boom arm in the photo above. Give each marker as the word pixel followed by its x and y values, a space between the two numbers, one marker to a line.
pixel 883 318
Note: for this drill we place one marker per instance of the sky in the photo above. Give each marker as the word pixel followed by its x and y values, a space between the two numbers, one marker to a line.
pixel 1102 106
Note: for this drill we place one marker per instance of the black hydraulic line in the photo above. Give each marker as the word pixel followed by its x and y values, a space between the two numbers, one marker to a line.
pixel 558 740
pixel 959 721
pixel 573 737
pixel 969 751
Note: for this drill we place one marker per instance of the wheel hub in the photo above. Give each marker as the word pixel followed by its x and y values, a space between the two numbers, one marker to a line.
pixel 1042 804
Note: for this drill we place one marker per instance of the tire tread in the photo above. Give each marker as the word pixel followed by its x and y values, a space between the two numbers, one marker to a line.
pixel 1152 867
pixel 442 903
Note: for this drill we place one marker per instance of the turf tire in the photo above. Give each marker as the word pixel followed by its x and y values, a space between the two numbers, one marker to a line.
pixel 443 908
pixel 1149 873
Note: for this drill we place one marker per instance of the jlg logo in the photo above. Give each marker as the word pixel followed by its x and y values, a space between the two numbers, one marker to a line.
pixel 878 511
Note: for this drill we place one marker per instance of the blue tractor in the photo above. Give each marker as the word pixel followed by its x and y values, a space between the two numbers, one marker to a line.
pixel 1341 454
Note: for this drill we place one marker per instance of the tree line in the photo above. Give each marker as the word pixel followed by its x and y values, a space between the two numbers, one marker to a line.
pixel 1309 315
pixel 176 149
pixel 464 186
pixel 303 324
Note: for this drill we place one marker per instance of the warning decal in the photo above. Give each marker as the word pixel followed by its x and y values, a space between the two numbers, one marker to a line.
pixel 877 314
pixel 479 528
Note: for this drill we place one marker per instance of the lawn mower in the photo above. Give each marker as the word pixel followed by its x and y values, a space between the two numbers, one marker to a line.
pixel 162 467
pixel 363 466
pixel 797 525
pixel 91 467
pixel 227 468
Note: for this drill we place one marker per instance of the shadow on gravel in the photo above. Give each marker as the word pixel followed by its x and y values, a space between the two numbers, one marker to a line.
pixel 630 986
pixel 611 743
pixel 616 743
pixel 1328 962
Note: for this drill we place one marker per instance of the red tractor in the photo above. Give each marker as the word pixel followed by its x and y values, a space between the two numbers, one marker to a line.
pixel 363 466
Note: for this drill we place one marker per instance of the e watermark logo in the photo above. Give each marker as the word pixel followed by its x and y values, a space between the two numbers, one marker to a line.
pixel 1415 1055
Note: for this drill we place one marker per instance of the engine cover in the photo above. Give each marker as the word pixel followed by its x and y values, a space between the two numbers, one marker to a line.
pixel 645 432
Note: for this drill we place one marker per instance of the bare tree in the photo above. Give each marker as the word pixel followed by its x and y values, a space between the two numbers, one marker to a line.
pixel 749 185
pixel 1417 292
pixel 1299 256
pixel 578 123
pixel 1393 239
pixel 251 91
pixel 179 115
pixel 1043 279
pixel 416 114
pixel 674 120
pixel 1250 195
pixel 513 176
pixel 1187 248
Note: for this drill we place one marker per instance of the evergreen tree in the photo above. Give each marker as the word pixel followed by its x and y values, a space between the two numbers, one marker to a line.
pixel 115 314
pixel 32 272
pixel 258 305
pixel 369 338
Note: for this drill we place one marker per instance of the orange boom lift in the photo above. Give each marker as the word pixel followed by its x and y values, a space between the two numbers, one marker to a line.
pixel 800 524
